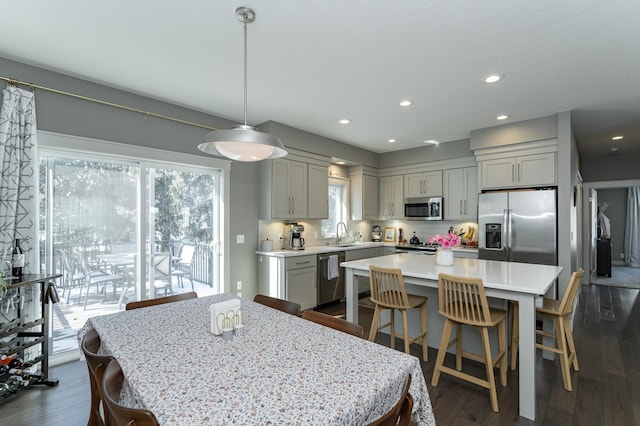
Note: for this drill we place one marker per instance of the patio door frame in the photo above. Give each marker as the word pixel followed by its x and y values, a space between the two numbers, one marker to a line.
pixel 55 144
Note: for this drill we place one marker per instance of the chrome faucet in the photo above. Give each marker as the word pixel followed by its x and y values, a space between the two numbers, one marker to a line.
pixel 338 231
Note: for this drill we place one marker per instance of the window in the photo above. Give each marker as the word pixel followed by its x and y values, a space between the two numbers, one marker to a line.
pixel 338 207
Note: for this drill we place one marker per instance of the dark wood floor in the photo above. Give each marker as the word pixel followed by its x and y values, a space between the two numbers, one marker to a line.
pixel 606 390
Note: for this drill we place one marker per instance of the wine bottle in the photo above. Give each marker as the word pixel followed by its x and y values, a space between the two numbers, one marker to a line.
pixel 18 260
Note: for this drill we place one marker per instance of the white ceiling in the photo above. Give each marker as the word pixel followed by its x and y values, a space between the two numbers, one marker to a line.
pixel 312 63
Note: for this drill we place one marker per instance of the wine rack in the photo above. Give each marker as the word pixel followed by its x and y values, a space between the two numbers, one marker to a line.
pixel 24 334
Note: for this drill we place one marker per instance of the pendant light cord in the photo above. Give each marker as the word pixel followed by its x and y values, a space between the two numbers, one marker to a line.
pixel 245 70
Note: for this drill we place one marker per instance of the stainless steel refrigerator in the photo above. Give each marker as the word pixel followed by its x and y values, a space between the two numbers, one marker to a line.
pixel 518 226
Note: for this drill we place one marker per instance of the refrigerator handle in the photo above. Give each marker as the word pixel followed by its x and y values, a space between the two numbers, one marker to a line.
pixel 507 227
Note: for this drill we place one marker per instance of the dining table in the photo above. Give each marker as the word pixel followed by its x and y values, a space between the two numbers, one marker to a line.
pixel 503 281
pixel 282 370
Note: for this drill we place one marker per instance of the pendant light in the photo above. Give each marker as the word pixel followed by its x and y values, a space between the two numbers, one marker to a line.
pixel 243 142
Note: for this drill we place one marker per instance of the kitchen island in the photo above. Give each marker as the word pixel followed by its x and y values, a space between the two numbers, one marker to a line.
pixel 520 282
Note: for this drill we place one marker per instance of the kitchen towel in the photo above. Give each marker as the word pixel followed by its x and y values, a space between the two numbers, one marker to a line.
pixel 332 267
pixel 225 314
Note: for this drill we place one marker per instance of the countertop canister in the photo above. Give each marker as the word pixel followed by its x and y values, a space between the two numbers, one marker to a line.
pixel 266 245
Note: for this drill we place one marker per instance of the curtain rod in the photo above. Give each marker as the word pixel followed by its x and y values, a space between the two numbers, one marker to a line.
pixel 14 82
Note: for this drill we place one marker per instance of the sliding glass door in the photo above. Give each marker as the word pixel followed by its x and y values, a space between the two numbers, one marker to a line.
pixel 124 229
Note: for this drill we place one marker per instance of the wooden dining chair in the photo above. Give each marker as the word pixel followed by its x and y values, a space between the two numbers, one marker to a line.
pixel 560 312
pixel 96 365
pixel 400 414
pixel 388 292
pixel 279 304
pixel 334 322
pixel 119 415
pixel 463 301
pixel 160 300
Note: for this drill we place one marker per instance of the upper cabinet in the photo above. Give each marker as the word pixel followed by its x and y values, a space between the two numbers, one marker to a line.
pixel 364 193
pixel 391 197
pixel 461 194
pixel 427 184
pixel 289 189
pixel 519 171
pixel 318 192
pixel 295 187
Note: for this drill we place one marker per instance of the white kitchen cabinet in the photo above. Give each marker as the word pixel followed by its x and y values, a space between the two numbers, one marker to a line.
pixel 427 184
pixel 521 171
pixel 318 192
pixel 460 189
pixel 391 197
pixel 291 278
pixel 288 189
pixel 364 197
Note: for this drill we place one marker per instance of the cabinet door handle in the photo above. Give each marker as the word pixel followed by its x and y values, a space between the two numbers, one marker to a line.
pixel 303 263
pixel 465 208
pixel 460 206
pixel 393 209
pixel 519 173
pixel 293 205
pixel 513 176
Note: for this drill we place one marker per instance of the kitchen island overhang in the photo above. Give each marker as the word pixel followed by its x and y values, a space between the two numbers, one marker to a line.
pixel 520 282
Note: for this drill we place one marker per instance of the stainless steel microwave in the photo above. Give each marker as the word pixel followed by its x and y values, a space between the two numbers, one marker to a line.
pixel 423 208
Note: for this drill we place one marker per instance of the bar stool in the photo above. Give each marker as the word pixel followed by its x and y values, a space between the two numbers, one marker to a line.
pixel 388 292
pixel 559 311
pixel 462 301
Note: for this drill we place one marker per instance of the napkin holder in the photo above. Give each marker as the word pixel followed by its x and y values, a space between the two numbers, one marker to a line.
pixel 225 314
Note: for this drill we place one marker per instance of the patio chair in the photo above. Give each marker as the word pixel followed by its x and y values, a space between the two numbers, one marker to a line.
pixel 72 276
pixel 162 272
pixel 98 279
pixel 185 264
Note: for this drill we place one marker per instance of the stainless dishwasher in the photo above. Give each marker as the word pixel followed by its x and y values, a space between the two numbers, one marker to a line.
pixel 330 290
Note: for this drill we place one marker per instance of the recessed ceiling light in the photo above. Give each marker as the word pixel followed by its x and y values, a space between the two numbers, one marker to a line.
pixel 406 103
pixel 617 138
pixel 344 121
pixel 432 142
pixel 341 162
pixel 502 117
pixel 493 78
pixel 392 141
pixel 614 149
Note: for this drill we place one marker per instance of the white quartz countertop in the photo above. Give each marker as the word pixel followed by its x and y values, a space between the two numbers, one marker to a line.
pixel 343 247
pixel 510 276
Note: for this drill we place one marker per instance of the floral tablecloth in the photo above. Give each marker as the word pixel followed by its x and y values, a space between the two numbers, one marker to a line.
pixel 283 370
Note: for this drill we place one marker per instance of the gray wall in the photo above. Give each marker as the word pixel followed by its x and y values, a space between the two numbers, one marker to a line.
pixel 617 214
pixel 523 131
pixel 610 167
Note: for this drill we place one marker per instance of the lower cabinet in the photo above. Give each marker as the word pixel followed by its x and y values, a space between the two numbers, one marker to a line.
pixel 290 278
pixel 363 284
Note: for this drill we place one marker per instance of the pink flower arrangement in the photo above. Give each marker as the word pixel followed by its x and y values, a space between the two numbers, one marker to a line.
pixel 446 241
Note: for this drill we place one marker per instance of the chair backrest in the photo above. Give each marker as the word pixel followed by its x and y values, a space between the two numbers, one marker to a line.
pixel 279 304
pixel 334 322
pixel 162 265
pixel 96 365
pixel 400 414
pixel 387 287
pixel 119 414
pixel 567 302
pixel 160 300
pixel 186 255
pixel 463 299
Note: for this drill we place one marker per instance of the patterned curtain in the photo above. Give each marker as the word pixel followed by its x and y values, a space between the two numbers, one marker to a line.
pixel 19 182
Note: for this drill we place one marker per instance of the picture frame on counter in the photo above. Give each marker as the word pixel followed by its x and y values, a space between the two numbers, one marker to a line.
pixel 389 235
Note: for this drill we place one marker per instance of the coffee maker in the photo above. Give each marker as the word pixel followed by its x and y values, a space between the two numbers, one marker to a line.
pixel 296 242
pixel 376 234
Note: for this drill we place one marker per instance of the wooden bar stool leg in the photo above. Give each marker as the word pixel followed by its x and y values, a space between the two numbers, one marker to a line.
pixel 374 323
pixel 405 328
pixel 561 340
pixel 458 347
pixel 424 328
pixel 489 366
pixel 442 351
pixel 502 344
pixel 572 347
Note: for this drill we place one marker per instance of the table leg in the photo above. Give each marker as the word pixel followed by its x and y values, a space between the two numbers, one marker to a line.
pixel 527 357
pixel 352 296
